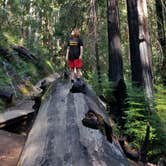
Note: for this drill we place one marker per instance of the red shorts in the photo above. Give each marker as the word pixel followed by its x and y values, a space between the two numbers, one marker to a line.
pixel 77 63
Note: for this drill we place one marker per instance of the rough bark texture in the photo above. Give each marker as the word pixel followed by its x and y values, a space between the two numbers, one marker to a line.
pixel 160 23
pixel 94 36
pixel 140 50
pixel 115 59
pixel 134 42
pixel 161 35
pixel 58 137
pixel 145 48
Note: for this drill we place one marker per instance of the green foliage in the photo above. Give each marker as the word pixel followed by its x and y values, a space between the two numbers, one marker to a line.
pixel 24 69
pixel 2 106
pixel 160 98
pixel 103 88
pixel 4 80
pixel 136 115
pixel 158 123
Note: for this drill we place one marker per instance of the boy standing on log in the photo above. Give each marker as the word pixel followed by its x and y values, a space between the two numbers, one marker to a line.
pixel 74 54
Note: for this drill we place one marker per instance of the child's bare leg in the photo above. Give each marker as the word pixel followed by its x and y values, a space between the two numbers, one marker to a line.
pixel 79 73
pixel 72 73
pixel 75 70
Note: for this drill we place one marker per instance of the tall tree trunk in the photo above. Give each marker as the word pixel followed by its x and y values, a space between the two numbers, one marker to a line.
pixel 134 42
pixel 22 26
pixel 164 4
pixel 5 3
pixel 115 58
pixel 93 29
pixel 161 35
pixel 29 37
pixel 36 34
pixel 140 50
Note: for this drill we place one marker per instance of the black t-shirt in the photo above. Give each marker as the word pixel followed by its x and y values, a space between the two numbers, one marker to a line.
pixel 74 45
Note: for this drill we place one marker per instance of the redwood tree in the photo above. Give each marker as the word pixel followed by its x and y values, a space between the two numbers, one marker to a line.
pixel 93 32
pixel 140 51
pixel 161 35
pixel 115 58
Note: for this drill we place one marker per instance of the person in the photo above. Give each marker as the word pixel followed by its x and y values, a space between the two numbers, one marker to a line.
pixel 74 55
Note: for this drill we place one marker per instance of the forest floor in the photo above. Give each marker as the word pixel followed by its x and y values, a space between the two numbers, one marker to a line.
pixel 11 144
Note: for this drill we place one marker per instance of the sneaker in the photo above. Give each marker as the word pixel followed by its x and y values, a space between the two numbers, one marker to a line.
pixel 78 79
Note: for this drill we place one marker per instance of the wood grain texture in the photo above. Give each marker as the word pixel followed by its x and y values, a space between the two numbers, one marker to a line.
pixel 58 137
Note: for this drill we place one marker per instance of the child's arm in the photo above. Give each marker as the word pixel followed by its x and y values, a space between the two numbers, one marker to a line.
pixel 67 54
pixel 81 52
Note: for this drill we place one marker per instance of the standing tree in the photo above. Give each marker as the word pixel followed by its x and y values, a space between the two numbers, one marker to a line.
pixel 140 51
pixel 115 59
pixel 161 35
pixel 93 32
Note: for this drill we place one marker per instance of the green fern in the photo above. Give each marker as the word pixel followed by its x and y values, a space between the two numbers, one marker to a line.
pixel 158 123
pixel 135 116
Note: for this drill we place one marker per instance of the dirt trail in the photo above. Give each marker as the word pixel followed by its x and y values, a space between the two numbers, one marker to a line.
pixel 11 144
pixel 10 148
pixel 25 104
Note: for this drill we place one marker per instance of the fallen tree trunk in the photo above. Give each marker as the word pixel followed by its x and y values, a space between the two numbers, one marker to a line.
pixel 59 138
pixel 24 52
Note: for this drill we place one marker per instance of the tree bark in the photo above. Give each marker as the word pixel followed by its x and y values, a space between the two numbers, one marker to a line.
pixel 59 137
pixel 93 31
pixel 115 60
pixel 140 50
pixel 29 28
pixel 135 58
pixel 115 56
pixel 161 35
